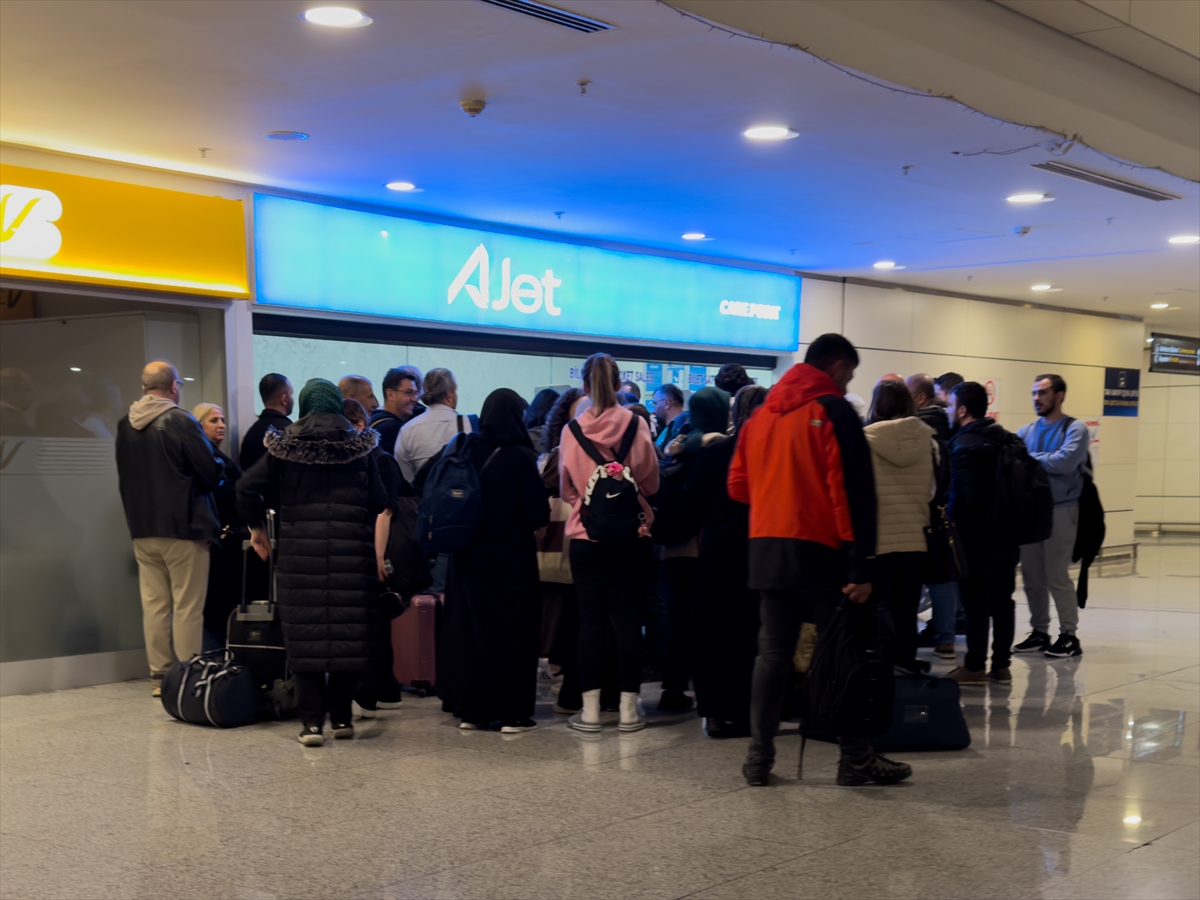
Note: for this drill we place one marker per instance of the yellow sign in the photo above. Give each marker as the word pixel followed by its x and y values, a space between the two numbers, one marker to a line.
pixel 61 227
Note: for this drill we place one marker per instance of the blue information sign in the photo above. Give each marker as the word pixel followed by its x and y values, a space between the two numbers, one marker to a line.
pixel 323 257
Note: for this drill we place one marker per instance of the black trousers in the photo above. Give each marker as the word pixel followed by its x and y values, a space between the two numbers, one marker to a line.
pixel 316 698
pixel 896 588
pixel 987 599
pixel 609 582
pixel 677 672
pixel 782 613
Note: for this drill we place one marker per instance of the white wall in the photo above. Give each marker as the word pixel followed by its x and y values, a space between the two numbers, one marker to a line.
pixel 1168 478
pixel 907 332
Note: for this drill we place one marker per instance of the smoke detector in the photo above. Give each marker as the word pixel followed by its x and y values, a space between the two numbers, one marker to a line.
pixel 473 107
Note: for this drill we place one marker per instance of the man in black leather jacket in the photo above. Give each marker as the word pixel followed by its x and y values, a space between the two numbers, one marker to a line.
pixel 987 593
pixel 167 470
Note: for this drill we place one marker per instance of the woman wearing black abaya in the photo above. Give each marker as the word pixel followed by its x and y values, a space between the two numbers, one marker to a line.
pixel 724 610
pixel 493 606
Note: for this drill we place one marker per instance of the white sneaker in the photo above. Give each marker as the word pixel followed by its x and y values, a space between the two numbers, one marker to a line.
pixel 468 726
pixel 385 704
pixel 576 722
pixel 631 715
pixel 362 713
pixel 518 727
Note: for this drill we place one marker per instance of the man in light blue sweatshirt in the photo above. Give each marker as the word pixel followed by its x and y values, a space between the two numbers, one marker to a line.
pixel 1059 443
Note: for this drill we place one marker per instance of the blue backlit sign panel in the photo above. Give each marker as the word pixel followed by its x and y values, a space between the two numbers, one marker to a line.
pixel 325 257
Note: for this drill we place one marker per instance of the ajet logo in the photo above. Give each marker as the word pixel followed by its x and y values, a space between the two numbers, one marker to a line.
pixel 28 216
pixel 527 293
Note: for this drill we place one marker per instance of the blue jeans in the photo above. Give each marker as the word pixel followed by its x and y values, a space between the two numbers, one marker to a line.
pixel 943 599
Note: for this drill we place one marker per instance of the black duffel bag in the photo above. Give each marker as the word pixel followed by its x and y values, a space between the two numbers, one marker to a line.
pixel 927 715
pixel 211 689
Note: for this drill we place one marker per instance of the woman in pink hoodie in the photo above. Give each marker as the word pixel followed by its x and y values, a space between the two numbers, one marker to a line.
pixel 610 573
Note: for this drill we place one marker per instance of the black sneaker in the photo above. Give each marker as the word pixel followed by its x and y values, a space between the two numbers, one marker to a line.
pixel 874 767
pixel 675 702
pixel 1037 641
pixel 312 736
pixel 342 731
pixel 757 771
pixel 1066 645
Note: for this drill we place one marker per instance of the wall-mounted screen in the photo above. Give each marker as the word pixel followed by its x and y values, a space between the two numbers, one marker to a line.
pixel 312 256
pixel 1175 354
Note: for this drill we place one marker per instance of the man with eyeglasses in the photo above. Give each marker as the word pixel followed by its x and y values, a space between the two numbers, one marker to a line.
pixel 167 470
pixel 401 388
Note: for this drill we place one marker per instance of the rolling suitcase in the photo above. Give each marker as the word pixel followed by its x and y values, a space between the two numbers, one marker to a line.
pixel 926 715
pixel 414 653
pixel 254 636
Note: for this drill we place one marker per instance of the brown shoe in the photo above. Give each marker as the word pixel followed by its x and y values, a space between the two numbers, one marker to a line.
pixel 964 675
pixel 944 651
pixel 1001 676
pixel 156 682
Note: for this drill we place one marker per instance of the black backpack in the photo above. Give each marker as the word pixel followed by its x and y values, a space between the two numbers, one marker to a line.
pixel 410 572
pixel 1089 538
pixel 452 503
pixel 611 510
pixel 849 688
pixel 1023 509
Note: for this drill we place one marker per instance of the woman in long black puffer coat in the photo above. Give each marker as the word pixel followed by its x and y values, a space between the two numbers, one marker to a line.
pixel 321 478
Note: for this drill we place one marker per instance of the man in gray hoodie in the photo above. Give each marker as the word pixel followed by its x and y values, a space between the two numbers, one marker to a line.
pixel 167 470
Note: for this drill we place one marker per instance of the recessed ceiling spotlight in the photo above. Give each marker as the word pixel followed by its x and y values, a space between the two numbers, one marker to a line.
pixel 76 369
pixel 1041 287
pixel 188 378
pixel 885 264
pixel 1031 197
pixel 400 186
pixel 1185 239
pixel 287 136
pixel 338 17
pixel 694 236
pixel 770 133
pixel 1159 305
pixel 383 234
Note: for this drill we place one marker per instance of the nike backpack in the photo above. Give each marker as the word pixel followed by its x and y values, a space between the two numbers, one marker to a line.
pixel 611 510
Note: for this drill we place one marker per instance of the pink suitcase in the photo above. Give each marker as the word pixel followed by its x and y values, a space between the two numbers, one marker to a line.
pixel 414 660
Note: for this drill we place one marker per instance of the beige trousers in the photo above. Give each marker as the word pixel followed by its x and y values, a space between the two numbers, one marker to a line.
pixel 173 575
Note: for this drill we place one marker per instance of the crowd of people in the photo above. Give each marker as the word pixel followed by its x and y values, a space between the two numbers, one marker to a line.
pixel 686 543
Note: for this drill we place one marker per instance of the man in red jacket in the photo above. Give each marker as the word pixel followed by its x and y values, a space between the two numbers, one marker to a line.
pixel 803 465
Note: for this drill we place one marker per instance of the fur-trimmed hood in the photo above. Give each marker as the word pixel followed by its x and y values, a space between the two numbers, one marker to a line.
pixel 320 439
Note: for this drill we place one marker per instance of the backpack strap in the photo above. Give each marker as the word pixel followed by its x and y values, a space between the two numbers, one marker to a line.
pixel 488 461
pixel 627 440
pixel 460 423
pixel 588 447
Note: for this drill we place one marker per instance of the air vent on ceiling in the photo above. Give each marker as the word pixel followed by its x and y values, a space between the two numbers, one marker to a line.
pixel 1108 181
pixel 551 14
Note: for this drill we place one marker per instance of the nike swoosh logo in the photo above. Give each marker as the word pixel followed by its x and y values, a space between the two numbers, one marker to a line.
pixel 18 219
pixel 610 496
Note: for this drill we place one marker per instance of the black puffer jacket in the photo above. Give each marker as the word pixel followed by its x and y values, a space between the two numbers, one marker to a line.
pixel 322 479
pixel 974 451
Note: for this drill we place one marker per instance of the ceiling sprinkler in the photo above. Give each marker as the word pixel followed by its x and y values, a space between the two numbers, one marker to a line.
pixel 473 107
pixel 1022 230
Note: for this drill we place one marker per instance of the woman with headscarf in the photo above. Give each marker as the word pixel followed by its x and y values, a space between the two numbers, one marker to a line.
pixel 724 609
pixel 225 562
pixel 488 657
pixel 320 477
pixel 675 529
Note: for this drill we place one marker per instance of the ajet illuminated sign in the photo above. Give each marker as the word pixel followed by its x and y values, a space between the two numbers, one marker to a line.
pixel 59 227
pixel 313 256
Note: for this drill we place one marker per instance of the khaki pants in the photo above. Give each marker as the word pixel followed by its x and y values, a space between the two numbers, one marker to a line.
pixel 173 575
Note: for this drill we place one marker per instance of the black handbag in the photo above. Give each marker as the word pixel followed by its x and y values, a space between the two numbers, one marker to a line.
pixel 945 559
pixel 409 573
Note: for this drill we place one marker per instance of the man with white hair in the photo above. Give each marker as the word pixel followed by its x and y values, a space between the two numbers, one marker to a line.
pixel 167 470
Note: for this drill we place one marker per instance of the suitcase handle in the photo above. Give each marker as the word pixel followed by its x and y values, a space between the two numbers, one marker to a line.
pixel 244 614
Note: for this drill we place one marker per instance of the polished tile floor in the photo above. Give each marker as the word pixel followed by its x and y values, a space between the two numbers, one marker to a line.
pixel 1083 781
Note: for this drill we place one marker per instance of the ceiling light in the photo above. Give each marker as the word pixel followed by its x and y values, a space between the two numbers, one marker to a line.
pixel 188 378
pixel 1185 239
pixel 400 185
pixel 338 17
pixel 1041 287
pixel 694 236
pixel 1029 198
pixel 287 136
pixel 383 234
pixel 885 264
pixel 1159 305
pixel 76 369
pixel 770 133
